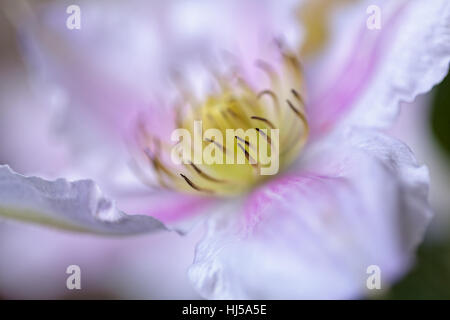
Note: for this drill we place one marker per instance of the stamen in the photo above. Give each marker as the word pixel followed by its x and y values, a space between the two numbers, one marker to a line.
pixel 235 107
pixel 267 68
pixel 269 140
pixel 244 84
pixel 271 94
pixel 158 167
pixel 263 120
pixel 194 186
pixel 249 158
pixel 213 120
pixel 237 116
pixel 224 115
pixel 204 175
pixel 224 150
pixel 178 115
pixel 296 65
pixel 297 112
pixel 157 164
pixel 157 144
pixel 295 141
pixel 242 140
pixel 298 96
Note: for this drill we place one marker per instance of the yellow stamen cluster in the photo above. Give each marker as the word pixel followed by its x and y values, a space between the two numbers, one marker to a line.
pixel 237 106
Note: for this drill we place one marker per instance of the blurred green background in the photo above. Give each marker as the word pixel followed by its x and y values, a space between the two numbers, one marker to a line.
pixel 430 278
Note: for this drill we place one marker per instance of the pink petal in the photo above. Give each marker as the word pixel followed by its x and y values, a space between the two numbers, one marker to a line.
pixel 365 84
pixel 314 234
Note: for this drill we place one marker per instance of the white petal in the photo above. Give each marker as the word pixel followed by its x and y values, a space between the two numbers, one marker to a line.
pixel 365 74
pixel 413 127
pixel 136 267
pixel 314 234
pixel 417 60
pixel 78 205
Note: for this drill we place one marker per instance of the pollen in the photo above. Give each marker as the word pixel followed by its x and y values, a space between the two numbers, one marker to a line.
pixel 237 137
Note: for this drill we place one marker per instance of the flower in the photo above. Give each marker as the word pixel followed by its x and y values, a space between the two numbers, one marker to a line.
pixel 267 128
pixel 349 198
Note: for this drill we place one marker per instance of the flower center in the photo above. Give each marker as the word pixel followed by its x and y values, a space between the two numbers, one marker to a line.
pixel 237 137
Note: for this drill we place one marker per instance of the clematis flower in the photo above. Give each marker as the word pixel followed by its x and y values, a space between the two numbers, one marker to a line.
pixel 347 196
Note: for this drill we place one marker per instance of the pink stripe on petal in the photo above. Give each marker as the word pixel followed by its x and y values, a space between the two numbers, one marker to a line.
pixel 361 66
pixel 180 211
pixel 168 207
pixel 276 189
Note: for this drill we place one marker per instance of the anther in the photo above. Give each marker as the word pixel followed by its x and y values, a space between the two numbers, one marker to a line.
pixel 204 175
pixel 193 185
pixel 249 158
pixel 224 150
pixel 242 140
pixel 297 96
pixel 272 95
pixel 296 111
pixel 263 120
pixel 269 140
pixel 267 68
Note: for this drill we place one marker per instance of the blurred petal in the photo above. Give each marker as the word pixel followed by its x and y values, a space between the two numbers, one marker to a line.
pixel 26 127
pixel 148 266
pixel 364 74
pixel 115 66
pixel 313 234
pixel 78 205
pixel 177 211
pixel 414 128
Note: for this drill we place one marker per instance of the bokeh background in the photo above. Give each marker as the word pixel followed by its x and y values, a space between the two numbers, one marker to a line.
pixel 32 259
